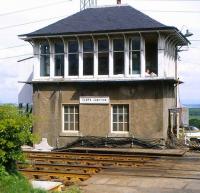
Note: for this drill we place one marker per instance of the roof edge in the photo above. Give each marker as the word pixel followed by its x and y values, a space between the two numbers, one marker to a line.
pixel 100 32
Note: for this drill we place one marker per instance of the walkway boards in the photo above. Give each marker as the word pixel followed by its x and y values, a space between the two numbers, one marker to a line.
pixel 75 167
pixel 161 152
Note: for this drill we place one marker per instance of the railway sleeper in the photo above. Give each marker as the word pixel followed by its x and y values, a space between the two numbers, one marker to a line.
pixel 65 178
pixel 65 168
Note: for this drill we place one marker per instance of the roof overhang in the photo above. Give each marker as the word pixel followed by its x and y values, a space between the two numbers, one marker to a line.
pixel 172 31
pixel 127 81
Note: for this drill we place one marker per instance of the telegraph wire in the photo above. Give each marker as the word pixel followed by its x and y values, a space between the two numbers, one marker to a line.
pixel 11 47
pixel 173 11
pixel 16 56
pixel 37 21
pixel 22 24
pixel 32 8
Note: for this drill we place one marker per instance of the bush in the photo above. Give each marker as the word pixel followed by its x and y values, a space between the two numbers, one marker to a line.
pixel 15 131
pixel 195 122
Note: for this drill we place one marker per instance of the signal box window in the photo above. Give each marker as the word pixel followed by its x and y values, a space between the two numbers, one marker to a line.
pixel 73 58
pixel 103 57
pixel 44 59
pixel 88 57
pixel 59 59
pixel 118 56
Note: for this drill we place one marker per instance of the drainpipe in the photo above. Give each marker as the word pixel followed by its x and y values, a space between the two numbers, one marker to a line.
pixel 176 77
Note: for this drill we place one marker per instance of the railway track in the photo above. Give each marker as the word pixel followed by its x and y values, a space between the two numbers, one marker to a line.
pixel 72 167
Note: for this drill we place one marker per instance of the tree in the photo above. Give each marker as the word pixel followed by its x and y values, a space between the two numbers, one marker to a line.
pixel 195 122
pixel 15 131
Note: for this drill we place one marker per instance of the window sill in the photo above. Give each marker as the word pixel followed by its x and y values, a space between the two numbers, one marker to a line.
pixel 119 134
pixel 70 134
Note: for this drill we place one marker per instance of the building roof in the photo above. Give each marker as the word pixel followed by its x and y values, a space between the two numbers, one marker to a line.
pixel 104 19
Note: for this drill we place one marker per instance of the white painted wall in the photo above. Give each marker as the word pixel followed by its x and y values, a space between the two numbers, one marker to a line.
pixel 25 73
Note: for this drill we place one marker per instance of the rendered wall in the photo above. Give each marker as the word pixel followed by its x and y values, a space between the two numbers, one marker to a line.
pixel 148 109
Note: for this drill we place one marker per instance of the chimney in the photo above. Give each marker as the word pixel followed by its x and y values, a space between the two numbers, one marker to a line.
pixel 118 2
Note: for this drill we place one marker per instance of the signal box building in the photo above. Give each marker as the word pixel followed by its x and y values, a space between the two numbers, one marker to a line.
pixel 107 71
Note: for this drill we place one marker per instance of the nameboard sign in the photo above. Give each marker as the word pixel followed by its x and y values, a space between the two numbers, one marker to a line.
pixel 94 100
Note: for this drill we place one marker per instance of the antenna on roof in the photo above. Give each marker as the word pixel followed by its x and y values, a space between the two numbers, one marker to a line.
pixel 84 4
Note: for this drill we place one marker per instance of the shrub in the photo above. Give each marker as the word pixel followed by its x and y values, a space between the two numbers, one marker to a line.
pixel 195 122
pixel 15 131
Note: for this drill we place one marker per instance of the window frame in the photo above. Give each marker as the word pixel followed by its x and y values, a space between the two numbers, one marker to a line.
pixel 40 55
pixel 131 51
pixel 128 116
pixel 54 59
pixel 63 118
pixel 118 51
pixel 87 52
pixel 68 53
pixel 109 62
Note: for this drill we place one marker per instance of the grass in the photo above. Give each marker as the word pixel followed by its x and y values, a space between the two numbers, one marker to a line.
pixel 194 113
pixel 18 184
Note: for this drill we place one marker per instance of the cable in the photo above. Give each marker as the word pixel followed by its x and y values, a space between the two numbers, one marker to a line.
pixel 22 24
pixel 32 8
pixel 169 11
pixel 11 47
pixel 37 21
pixel 15 56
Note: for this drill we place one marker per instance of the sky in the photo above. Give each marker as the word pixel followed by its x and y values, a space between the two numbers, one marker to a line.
pixel 22 16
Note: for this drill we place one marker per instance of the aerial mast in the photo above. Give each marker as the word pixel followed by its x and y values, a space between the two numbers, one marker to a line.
pixel 84 4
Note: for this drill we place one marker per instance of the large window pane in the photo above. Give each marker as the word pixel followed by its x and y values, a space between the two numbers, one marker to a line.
pixel 151 55
pixel 88 57
pixel 103 63
pixel 59 59
pixel 135 43
pixel 88 46
pixel 118 53
pixel 73 46
pixel 59 65
pixel 44 48
pixel 119 63
pixel 103 45
pixel 135 61
pixel 103 57
pixel 73 58
pixel 88 64
pixel 44 59
pixel 73 64
pixel 118 44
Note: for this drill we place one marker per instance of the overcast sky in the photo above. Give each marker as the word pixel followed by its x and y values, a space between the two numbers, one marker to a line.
pixel 180 13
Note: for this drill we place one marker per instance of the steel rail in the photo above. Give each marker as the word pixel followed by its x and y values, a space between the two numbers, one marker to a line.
pixel 94 156
pixel 87 162
pixel 58 167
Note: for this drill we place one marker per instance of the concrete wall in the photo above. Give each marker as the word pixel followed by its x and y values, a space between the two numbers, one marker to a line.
pixel 148 109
